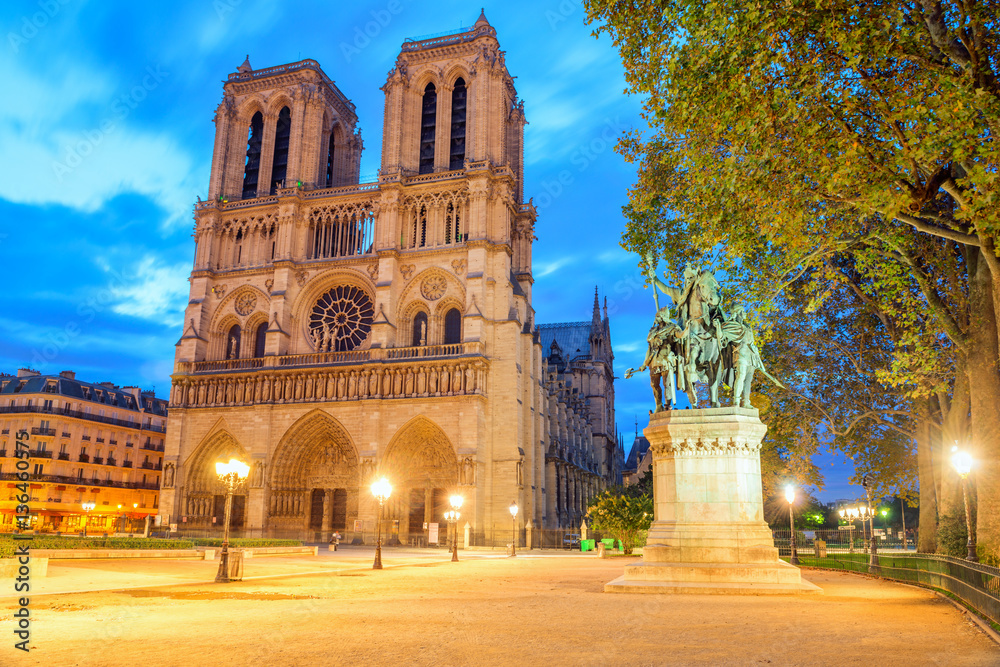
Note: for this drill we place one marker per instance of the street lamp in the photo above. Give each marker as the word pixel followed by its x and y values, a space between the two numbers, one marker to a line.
pixel 88 507
pixel 452 516
pixel 381 490
pixel 867 482
pixel 885 522
pixel 790 497
pixel 121 519
pixel 513 516
pixel 963 465
pixel 230 474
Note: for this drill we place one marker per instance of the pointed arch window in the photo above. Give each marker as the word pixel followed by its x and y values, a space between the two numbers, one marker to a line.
pixel 232 342
pixel 252 166
pixel 453 225
pixel 419 233
pixel 428 121
pixel 452 327
pixel 282 136
pixel 458 106
pixel 420 329
pixel 260 339
pixel 329 159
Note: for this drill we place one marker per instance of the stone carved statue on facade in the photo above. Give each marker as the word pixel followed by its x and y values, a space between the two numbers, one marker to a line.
pixel 703 345
pixel 367 470
pixel 257 475
pixel 468 471
pixel 233 347
pixel 168 475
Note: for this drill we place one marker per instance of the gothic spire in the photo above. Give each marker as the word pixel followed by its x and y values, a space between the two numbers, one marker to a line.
pixel 482 18
pixel 595 326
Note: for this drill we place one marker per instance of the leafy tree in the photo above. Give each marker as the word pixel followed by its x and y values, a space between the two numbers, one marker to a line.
pixel 850 147
pixel 623 517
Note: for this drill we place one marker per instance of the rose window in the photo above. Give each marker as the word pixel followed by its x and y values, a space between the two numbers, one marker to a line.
pixel 433 287
pixel 245 303
pixel 341 319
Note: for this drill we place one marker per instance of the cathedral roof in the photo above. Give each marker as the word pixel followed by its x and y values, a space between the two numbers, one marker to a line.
pixel 572 337
pixel 639 448
pixel 103 393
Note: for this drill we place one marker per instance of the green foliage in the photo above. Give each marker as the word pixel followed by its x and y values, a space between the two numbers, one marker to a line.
pixel 8 543
pixel 246 542
pixel 952 536
pixel 623 517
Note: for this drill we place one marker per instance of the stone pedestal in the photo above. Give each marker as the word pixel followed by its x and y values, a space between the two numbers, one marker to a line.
pixel 708 533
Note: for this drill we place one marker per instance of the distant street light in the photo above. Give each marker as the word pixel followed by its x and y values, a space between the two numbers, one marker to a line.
pixel 790 497
pixel 88 507
pixel 513 516
pixel 230 474
pixel 452 516
pixel 381 490
pixel 963 465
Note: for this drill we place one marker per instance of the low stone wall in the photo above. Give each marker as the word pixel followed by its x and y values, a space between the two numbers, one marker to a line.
pixel 116 553
pixel 251 552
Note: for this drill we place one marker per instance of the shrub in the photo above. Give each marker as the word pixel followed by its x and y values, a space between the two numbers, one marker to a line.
pixel 622 517
pixel 246 542
pixel 8 543
pixel 952 536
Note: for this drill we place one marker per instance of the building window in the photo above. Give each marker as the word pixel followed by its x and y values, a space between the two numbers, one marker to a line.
pixel 233 342
pixel 252 167
pixel 329 160
pixel 418 231
pixel 458 102
pixel 282 134
pixel 452 327
pixel 428 120
pixel 420 329
pixel 453 225
pixel 38 469
pixel 47 406
pixel 260 339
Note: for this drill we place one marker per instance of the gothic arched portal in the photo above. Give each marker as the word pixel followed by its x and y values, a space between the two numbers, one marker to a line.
pixel 421 465
pixel 314 477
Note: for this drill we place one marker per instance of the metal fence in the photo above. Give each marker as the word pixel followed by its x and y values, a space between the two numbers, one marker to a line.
pixel 843 541
pixel 975 584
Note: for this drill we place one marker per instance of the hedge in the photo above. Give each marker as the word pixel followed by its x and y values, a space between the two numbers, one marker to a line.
pixel 8 543
pixel 247 542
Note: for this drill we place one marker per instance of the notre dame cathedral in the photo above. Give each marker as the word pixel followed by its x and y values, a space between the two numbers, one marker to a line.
pixel 339 330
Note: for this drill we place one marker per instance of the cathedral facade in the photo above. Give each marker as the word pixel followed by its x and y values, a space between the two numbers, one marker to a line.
pixel 337 331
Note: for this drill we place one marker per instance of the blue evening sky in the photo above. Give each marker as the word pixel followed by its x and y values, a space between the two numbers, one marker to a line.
pixel 107 140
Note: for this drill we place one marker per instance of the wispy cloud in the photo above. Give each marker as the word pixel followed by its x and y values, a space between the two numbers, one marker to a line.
pixel 153 291
pixel 542 269
pixel 76 146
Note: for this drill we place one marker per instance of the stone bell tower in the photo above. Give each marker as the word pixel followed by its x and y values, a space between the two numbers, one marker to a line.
pixel 280 126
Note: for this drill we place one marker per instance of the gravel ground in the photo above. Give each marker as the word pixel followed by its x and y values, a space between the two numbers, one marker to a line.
pixel 525 610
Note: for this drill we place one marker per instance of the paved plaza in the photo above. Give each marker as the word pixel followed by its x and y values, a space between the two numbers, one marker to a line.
pixel 537 608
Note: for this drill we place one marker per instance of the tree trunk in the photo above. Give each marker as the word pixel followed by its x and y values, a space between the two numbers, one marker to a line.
pixel 954 429
pixel 984 376
pixel 927 538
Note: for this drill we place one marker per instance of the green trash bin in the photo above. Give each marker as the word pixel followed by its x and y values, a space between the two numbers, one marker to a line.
pixel 587 545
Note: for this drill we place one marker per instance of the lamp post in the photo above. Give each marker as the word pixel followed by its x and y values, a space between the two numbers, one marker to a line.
pixel 381 490
pixel 963 465
pixel 867 482
pixel 453 516
pixel 790 497
pixel 513 516
pixel 885 522
pixel 230 474
pixel 88 507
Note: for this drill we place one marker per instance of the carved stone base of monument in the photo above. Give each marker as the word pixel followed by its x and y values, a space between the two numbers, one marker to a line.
pixel 708 535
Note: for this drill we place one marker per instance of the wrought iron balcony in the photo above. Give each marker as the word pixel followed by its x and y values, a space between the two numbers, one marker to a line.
pixel 37 430
pixel 41 454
